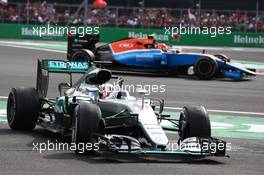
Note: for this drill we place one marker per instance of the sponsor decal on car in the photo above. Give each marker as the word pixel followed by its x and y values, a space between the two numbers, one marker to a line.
pixel 67 65
pixel 126 45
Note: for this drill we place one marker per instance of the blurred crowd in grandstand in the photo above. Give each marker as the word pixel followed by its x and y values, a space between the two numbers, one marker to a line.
pixel 62 14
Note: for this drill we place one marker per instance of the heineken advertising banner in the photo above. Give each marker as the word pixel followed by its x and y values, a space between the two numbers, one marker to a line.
pixel 234 39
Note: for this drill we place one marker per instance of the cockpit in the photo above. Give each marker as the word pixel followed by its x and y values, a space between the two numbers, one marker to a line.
pixel 89 90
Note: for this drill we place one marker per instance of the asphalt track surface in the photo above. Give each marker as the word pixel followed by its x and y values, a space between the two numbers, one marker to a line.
pixel 18 68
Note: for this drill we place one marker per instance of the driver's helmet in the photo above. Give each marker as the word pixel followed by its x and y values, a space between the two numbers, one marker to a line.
pixel 152 36
pixel 90 91
pixel 162 46
pixel 105 90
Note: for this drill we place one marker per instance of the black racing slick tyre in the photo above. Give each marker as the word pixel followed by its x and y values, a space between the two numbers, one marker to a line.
pixel 205 68
pixel 194 122
pixel 87 123
pixel 23 106
pixel 83 55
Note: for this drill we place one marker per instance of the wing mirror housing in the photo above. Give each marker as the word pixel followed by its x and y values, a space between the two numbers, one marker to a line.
pixel 142 93
pixel 161 106
pixel 63 86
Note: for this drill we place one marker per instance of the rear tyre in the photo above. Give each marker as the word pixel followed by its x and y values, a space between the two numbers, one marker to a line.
pixel 23 108
pixel 83 55
pixel 205 68
pixel 87 122
pixel 194 122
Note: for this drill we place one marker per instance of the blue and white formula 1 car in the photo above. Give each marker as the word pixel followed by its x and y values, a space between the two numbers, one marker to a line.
pixel 143 55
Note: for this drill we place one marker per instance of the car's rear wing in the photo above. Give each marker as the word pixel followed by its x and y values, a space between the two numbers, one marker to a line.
pixel 46 66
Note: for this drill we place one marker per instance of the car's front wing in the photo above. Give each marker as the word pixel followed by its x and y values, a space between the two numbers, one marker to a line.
pixel 193 146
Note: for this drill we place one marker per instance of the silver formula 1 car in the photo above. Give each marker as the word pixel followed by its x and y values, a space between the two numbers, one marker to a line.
pixel 117 122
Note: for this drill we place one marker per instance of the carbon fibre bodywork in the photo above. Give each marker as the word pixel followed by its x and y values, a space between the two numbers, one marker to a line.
pixel 117 123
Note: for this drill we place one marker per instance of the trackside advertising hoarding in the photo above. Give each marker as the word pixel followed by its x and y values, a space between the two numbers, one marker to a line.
pixel 235 39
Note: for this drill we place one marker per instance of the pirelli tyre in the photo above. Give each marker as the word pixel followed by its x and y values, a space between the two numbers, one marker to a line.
pixel 83 55
pixel 194 122
pixel 205 68
pixel 23 108
pixel 87 123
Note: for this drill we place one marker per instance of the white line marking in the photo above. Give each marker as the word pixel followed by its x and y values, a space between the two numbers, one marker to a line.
pixel 238 49
pixel 221 125
pixel 209 110
pixel 32 43
pixel 214 125
pixel 236 112
pixel 2 112
pixel 254 128
pixel 222 111
pixel 34 48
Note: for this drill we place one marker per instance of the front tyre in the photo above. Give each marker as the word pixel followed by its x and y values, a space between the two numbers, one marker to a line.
pixel 87 122
pixel 194 122
pixel 23 108
pixel 205 68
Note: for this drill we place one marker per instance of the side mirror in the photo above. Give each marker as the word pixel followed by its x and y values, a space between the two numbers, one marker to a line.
pixel 120 81
pixel 63 86
pixel 161 106
pixel 142 92
pixel 98 76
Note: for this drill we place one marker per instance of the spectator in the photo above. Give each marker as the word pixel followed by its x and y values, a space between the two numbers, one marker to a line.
pixel 44 12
